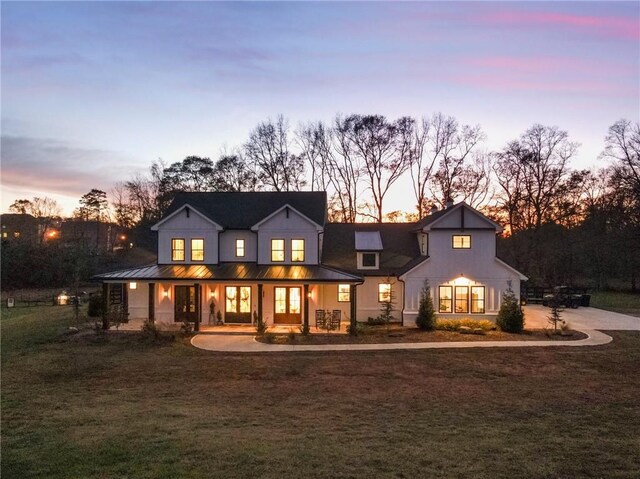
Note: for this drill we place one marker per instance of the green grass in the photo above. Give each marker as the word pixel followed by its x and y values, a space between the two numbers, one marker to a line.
pixel 626 303
pixel 79 407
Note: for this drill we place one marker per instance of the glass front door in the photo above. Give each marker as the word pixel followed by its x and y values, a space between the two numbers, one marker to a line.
pixel 237 304
pixel 287 305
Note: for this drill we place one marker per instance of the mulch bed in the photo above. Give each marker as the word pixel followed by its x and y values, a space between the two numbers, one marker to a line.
pixel 396 334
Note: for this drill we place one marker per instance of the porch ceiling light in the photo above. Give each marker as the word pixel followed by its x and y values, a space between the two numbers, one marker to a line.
pixel 461 280
pixel 165 293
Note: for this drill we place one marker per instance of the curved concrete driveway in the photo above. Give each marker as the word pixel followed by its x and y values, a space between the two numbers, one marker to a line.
pixel 582 319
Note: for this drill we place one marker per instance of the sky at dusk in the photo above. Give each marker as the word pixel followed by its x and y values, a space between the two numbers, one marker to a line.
pixel 94 92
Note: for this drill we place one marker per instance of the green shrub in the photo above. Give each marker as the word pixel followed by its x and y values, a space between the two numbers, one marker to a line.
pixel 455 324
pixel 269 337
pixel 510 317
pixel 96 306
pixel 426 319
pixel 375 321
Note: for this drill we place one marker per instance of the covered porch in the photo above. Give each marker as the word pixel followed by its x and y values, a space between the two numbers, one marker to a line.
pixel 231 297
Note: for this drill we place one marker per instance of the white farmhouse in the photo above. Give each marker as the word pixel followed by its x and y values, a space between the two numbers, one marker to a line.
pixel 274 255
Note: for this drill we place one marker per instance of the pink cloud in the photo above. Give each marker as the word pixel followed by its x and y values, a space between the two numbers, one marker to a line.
pixel 615 27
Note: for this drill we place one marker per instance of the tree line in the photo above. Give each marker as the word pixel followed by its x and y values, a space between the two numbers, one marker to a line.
pixel 561 224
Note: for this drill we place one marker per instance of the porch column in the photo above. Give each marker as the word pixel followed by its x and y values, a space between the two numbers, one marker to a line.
pixel 152 302
pixel 106 290
pixel 352 322
pixel 196 324
pixel 260 301
pixel 305 326
pixel 125 303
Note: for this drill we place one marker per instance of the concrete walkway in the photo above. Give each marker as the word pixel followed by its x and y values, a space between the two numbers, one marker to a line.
pixel 582 319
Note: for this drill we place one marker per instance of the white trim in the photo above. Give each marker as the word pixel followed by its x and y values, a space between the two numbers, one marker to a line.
pixel 267 218
pixel 203 216
pixel 497 226
pixel 511 268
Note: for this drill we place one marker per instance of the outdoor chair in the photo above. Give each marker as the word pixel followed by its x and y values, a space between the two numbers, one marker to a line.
pixel 321 321
pixel 336 316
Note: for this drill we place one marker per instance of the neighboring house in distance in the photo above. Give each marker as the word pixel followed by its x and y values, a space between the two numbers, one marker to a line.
pixel 275 254
pixel 98 235
pixel 19 227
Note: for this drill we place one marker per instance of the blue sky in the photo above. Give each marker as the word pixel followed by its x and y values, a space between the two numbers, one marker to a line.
pixel 94 92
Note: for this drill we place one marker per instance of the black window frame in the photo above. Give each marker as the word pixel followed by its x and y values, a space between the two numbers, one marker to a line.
pixel 284 250
pixel 483 300
pixel 375 260
pixel 184 250
pixel 455 299
pixel 192 250
pixel 348 293
pixel 453 237
pixel 450 300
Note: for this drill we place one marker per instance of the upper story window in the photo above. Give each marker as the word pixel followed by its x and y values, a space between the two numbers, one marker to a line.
pixel 277 250
pixel 368 260
pixel 344 293
pixel 461 241
pixel 297 250
pixel 384 292
pixel 197 249
pixel 239 248
pixel 177 249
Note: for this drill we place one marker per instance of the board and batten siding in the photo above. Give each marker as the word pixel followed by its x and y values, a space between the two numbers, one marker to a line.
pixel 187 227
pixel 288 226
pixel 228 245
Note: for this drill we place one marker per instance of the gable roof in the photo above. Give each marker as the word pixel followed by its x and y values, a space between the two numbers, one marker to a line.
pixel 188 207
pixel 430 220
pixel 399 242
pixel 242 210
pixel 286 207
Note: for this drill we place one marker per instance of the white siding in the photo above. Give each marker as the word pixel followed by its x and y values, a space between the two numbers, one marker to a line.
pixel 228 245
pixel 181 226
pixel 138 300
pixel 367 297
pixel 294 226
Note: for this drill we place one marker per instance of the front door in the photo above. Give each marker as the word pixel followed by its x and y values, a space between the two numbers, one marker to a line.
pixel 237 304
pixel 185 304
pixel 288 309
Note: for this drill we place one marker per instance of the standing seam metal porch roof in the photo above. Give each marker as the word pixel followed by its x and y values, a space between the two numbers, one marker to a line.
pixel 231 272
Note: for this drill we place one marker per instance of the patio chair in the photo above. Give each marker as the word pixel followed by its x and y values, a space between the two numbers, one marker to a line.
pixel 336 316
pixel 321 321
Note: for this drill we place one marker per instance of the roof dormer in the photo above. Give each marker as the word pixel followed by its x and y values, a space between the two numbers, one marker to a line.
pixel 368 247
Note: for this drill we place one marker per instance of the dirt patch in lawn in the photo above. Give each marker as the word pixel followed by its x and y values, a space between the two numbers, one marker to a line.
pixel 397 334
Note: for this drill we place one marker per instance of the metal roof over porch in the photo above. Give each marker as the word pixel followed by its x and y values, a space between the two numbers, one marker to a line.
pixel 231 272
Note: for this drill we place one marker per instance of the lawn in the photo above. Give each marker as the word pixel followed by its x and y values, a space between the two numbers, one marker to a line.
pixel 80 407
pixel 626 303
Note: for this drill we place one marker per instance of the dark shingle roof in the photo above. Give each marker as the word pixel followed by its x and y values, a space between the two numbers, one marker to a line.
pixel 401 250
pixel 243 210
pixel 231 271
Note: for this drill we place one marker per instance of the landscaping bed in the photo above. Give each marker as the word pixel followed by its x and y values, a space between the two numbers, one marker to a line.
pixel 400 334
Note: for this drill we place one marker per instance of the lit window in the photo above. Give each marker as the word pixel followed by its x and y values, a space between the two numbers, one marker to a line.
pixel 16 234
pixel 477 299
pixel 239 248
pixel 462 299
pixel 384 292
pixel 197 249
pixel 133 285
pixel 277 250
pixel 445 299
pixel 297 250
pixel 461 241
pixel 344 293
pixel 177 249
pixel 4 234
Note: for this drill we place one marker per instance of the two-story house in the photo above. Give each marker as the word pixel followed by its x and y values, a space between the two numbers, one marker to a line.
pixel 274 254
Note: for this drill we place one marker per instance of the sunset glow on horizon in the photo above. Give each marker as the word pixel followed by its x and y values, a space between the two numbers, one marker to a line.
pixel 92 93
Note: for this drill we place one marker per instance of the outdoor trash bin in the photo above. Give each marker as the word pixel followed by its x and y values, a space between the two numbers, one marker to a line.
pixel 586 299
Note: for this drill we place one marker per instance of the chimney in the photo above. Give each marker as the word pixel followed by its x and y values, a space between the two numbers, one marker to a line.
pixel 434 208
pixel 449 203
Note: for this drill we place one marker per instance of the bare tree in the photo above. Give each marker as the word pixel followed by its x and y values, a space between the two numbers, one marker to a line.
pixel 145 193
pixel 451 145
pixel 124 212
pixel 384 150
pixel 422 164
pixel 346 171
pixel 232 173
pixel 268 148
pixel 44 209
pixel 622 145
